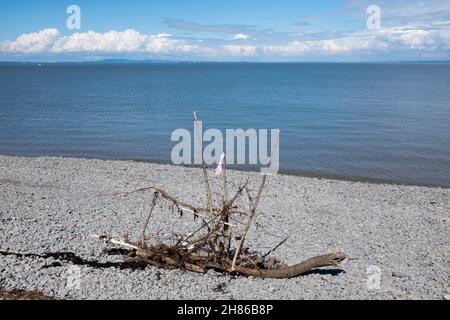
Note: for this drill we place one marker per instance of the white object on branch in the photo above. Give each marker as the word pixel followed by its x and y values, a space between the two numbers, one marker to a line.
pixel 113 241
pixel 220 165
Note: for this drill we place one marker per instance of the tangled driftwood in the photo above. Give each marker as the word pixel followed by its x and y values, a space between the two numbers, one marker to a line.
pixel 217 244
pixel 175 257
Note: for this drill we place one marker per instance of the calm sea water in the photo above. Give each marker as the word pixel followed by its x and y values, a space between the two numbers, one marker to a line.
pixel 376 121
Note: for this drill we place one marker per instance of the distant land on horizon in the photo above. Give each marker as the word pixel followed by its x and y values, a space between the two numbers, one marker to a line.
pixel 152 61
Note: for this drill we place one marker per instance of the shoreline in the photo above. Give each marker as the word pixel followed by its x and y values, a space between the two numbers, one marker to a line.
pixel 286 172
pixel 50 208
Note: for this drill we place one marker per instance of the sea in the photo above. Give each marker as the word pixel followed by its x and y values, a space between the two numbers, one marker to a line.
pixel 387 122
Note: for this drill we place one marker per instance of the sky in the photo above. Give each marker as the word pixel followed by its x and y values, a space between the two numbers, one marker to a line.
pixel 232 30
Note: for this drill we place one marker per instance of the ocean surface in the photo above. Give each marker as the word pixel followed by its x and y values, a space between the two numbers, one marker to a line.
pixel 388 122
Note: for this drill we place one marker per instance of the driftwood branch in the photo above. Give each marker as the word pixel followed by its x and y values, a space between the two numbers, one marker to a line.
pixel 205 173
pixel 152 206
pixel 253 207
pixel 247 227
pixel 185 207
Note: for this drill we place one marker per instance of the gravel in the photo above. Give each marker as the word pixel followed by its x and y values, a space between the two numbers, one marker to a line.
pixel 49 206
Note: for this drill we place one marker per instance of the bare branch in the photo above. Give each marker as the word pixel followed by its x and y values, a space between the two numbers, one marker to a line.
pixel 152 206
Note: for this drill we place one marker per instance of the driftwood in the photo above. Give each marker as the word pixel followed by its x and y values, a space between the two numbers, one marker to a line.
pixel 332 259
pixel 211 245
pixel 173 257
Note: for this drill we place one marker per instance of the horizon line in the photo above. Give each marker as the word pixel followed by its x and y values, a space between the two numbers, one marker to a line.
pixel 155 61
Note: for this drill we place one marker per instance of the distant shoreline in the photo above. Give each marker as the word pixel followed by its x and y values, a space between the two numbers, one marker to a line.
pixel 286 172
pixel 158 62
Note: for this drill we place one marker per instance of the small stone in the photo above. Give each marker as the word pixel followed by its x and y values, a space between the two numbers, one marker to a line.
pixel 447 297
pixel 399 275
pixel 211 273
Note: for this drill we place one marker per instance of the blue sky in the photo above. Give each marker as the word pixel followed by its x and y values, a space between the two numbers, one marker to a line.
pixel 332 30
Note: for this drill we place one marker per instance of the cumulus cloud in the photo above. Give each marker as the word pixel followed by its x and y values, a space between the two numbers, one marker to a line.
pixel 300 48
pixel 128 41
pixel 380 41
pixel 121 42
pixel 414 38
pixel 112 41
pixel 50 41
pixel 31 43
pixel 241 36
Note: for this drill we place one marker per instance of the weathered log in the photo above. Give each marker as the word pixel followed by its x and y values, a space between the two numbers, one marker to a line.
pixel 332 259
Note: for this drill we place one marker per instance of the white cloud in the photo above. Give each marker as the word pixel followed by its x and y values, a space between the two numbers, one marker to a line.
pixel 241 36
pixel 163 43
pixel 414 38
pixel 381 41
pixel 128 41
pixel 31 43
pixel 300 48
pixel 112 41
pixel 121 42
pixel 385 40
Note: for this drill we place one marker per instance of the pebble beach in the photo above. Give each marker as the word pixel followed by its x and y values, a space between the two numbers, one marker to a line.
pixel 397 237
